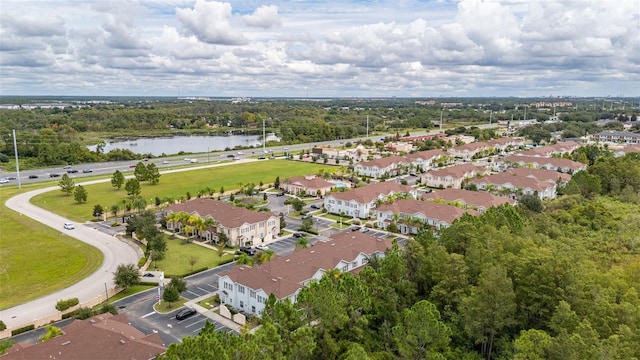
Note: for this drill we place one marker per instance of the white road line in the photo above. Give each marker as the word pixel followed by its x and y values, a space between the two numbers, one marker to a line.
pixel 191 292
pixel 196 323
pixel 149 314
pixel 203 289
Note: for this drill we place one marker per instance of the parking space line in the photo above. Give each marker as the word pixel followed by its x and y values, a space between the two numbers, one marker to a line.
pixel 196 323
pixel 149 314
pixel 192 293
pixel 206 291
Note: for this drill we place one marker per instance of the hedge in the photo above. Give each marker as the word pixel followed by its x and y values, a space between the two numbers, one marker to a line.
pixel 22 330
pixel 63 305
pixel 226 261
pixel 188 273
pixel 142 261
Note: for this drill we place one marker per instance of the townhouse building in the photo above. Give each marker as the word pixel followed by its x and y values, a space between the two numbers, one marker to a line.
pixel 242 227
pixel 468 199
pixel 557 164
pixel 410 215
pixel 310 185
pixel 452 176
pixel 360 201
pixel 617 137
pixel 468 151
pixel 378 168
pixel 541 174
pixel 247 288
pixel 425 160
pixel 511 185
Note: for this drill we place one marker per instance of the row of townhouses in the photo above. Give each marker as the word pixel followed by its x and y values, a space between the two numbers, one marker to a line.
pixel 241 226
pixel 468 151
pixel 617 137
pixel 247 288
pixel 359 202
pixel 399 164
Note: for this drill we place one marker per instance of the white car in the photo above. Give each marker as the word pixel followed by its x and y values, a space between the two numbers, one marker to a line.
pixel 165 162
pixel 262 247
pixel 4 181
pixel 240 153
pixel 69 226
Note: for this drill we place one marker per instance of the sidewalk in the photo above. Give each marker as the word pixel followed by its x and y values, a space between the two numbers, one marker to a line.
pixel 211 314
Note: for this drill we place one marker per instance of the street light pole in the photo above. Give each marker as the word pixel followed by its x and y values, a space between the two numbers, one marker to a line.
pixel 15 150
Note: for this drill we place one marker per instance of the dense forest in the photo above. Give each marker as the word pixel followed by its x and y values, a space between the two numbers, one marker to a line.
pixel 561 283
pixel 54 136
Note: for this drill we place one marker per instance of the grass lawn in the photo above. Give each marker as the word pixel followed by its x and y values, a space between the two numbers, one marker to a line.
pixel 177 185
pixel 36 260
pixel 209 303
pixel 176 261
pixel 164 307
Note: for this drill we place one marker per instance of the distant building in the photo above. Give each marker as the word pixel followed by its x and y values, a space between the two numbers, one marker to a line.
pixel 360 201
pixel 617 137
pixel 103 336
pixel 512 185
pixel 247 288
pixel 558 164
pixel 410 215
pixel 452 176
pixel 476 200
pixel 310 185
pixel 553 176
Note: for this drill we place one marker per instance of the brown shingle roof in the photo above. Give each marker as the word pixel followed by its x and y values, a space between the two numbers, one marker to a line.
pixel 227 215
pixel 384 162
pixel 557 162
pixel 541 174
pixel 427 154
pixel 473 198
pixel 283 276
pixel 309 182
pixel 367 194
pixel 101 337
pixel 457 171
pixel 520 182
pixel 440 212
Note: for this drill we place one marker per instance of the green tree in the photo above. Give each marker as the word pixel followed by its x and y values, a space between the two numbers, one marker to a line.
pixel 117 180
pixel 302 243
pixel 126 275
pixel 80 194
pixel 153 174
pixel 98 210
pixel 170 295
pixel 133 187
pixel 52 331
pixel 532 345
pixel 490 308
pixel 66 184
pixel 139 203
pixel 276 182
pixel 178 283
pixel 421 334
pixel 531 202
pixel 140 172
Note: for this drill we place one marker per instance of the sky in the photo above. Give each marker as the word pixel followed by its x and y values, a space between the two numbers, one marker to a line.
pixel 314 48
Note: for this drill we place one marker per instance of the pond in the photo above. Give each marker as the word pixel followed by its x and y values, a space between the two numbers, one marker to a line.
pixel 189 144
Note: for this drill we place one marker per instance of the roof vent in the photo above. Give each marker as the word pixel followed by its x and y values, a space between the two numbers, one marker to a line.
pixel 274 280
pixel 287 260
pixel 312 251
pixel 66 343
pixel 122 342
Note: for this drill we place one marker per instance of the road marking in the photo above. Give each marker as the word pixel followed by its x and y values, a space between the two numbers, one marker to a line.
pixel 149 314
pixel 191 292
pixel 196 323
pixel 203 289
pixel 213 286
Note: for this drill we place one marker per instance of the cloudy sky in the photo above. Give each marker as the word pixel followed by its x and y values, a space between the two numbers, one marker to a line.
pixel 316 48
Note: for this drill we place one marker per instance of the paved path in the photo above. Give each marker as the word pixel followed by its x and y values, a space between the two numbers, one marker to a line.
pixel 115 252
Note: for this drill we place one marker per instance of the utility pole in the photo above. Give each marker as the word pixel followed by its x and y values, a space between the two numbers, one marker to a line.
pixel 367 126
pixel 15 150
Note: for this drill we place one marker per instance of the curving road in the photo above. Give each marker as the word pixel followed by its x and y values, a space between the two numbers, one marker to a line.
pixel 115 252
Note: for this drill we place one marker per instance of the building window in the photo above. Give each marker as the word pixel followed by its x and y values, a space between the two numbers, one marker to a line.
pixel 241 289
pixel 253 308
pixel 252 294
pixel 241 304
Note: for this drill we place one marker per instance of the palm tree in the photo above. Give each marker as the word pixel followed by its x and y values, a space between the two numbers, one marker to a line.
pixel 244 259
pixel 139 203
pixel 114 209
pixel 334 274
pixel 264 256
pixel 302 243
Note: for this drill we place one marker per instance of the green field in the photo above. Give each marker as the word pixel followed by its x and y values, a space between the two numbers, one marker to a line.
pixel 36 260
pixel 176 185
pixel 176 261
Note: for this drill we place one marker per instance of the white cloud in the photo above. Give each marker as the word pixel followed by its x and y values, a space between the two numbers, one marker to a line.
pixel 209 21
pixel 264 17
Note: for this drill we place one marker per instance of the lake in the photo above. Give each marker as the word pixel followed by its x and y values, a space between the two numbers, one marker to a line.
pixel 190 144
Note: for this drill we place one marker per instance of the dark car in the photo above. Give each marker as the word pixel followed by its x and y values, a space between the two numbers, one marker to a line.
pixel 231 156
pixel 355 228
pixel 33 176
pixel 281 193
pixel 297 235
pixel 54 175
pixel 86 171
pixel 185 313
pixel 72 171
pixel 148 275
pixel 248 250
pixel 314 206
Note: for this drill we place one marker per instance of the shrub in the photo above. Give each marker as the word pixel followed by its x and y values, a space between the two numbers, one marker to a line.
pixel 142 261
pixel 5 344
pixel 226 261
pixel 187 273
pixel 3 326
pixel 22 330
pixel 63 305
pixel 108 308
pixel 80 314
pixel 115 224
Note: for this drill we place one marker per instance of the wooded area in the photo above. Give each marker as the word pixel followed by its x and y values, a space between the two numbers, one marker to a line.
pixel 510 284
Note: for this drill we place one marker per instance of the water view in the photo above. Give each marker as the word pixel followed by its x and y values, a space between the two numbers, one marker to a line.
pixel 174 145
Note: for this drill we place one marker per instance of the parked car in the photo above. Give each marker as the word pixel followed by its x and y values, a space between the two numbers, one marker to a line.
pixel 281 193
pixel 297 235
pixel 314 206
pixel 307 215
pixel 86 171
pixel 365 230
pixel 355 228
pixel 54 175
pixel 248 250
pixel 185 313
pixel 33 176
pixel 261 158
pixel 148 275
pixel 262 247
pixel 69 226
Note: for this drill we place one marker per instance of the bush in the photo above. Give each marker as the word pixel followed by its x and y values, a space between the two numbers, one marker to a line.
pixel 188 273
pixel 115 224
pixel 3 326
pixel 5 344
pixel 108 308
pixel 142 261
pixel 63 305
pixel 22 330
pixel 80 314
pixel 226 261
